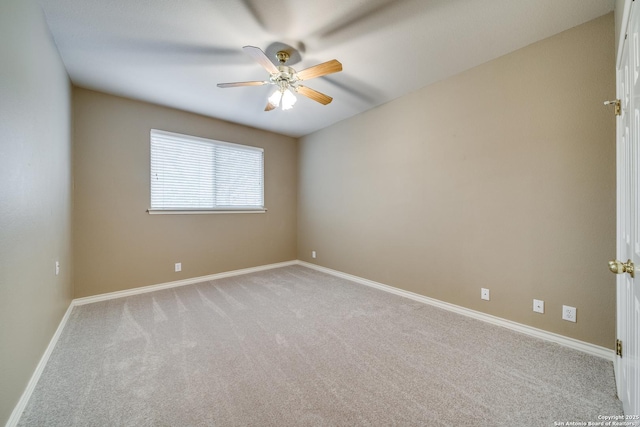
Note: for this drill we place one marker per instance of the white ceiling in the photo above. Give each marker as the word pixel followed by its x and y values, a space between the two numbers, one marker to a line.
pixel 174 52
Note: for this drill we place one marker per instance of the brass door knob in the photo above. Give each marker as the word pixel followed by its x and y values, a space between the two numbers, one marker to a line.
pixel 618 267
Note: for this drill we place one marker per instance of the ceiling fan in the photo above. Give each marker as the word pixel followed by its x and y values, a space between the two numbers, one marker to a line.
pixel 287 79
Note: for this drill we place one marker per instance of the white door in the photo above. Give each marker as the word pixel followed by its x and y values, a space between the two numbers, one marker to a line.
pixel 628 229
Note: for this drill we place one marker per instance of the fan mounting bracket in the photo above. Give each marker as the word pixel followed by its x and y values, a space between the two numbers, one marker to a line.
pixel 282 56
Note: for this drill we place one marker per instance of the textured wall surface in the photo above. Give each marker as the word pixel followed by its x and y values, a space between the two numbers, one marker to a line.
pixel 118 245
pixel 500 177
pixel 35 195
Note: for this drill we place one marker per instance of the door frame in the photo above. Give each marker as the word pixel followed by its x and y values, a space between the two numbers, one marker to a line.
pixel 622 20
pixel 622 14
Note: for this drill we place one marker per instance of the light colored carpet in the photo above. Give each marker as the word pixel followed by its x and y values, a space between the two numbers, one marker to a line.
pixel 293 346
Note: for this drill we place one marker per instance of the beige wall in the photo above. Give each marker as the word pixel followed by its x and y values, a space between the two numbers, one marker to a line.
pixel 500 177
pixel 35 195
pixel 118 245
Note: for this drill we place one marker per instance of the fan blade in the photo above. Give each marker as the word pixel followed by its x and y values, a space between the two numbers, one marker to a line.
pixel 315 95
pixel 269 106
pixel 319 70
pixel 261 58
pixel 236 84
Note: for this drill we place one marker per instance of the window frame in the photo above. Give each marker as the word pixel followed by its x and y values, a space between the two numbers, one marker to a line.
pixel 209 210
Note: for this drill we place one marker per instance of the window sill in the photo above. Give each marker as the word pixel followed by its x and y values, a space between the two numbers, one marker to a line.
pixel 203 211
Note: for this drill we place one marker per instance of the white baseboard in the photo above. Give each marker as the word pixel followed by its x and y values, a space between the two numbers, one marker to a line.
pixel 585 347
pixel 31 385
pixel 26 395
pixel 184 282
pixel 538 333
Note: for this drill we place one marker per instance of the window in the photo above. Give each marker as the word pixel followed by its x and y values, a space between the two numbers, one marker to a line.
pixel 197 175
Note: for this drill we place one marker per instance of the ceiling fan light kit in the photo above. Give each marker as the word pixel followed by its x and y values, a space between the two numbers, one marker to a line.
pixel 287 79
pixel 285 97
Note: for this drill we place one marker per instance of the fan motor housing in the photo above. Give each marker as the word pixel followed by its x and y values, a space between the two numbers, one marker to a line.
pixel 286 74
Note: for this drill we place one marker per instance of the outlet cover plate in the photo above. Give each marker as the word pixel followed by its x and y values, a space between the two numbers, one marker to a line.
pixel 568 313
pixel 178 266
pixel 484 293
pixel 538 306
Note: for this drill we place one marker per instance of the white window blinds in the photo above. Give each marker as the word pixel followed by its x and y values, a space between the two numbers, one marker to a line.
pixel 189 173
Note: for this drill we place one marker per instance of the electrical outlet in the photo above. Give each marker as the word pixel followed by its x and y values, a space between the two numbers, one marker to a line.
pixel 57 267
pixel 484 293
pixel 538 306
pixel 568 313
pixel 178 266
pixel 313 254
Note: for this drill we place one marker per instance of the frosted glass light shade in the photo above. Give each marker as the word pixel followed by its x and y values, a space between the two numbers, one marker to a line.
pixel 288 100
pixel 275 98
